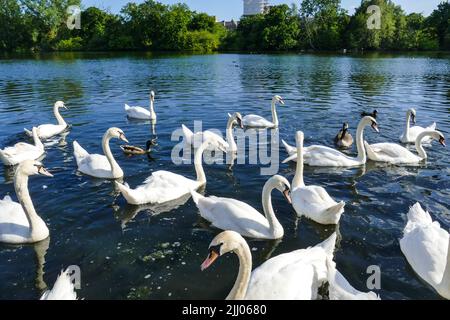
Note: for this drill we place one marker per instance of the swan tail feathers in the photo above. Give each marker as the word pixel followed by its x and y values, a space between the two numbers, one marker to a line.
pixel 433 126
pixel 328 245
pixel 127 107
pixel 417 215
pixel 79 152
pixel 126 192
pixel 335 211
pixel 63 289
pixel 289 149
pixel 188 134
pixel 196 197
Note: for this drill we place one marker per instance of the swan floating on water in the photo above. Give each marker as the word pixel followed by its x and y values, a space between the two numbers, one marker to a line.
pixel 164 186
pixel 321 156
pixel 396 154
pixel 426 247
pixel 140 112
pixel 21 151
pixel 296 275
pixel 255 121
pixel 411 133
pixel 46 131
pixel 312 202
pixel 235 215
pixel 100 166
pixel 19 222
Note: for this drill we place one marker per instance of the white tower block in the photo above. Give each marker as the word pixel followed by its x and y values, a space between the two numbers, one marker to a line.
pixel 252 7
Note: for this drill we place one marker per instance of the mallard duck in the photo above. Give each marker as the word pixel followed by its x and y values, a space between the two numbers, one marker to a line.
pixel 135 151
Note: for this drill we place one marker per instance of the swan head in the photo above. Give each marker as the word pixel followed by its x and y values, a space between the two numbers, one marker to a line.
pixel 223 243
pixel 370 121
pixel 278 99
pixel 152 95
pixel 436 135
pixel 412 112
pixel 33 168
pixel 281 184
pixel 117 133
pixel 60 104
pixel 238 118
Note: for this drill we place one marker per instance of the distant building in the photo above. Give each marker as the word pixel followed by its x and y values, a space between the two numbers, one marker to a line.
pixel 229 25
pixel 252 7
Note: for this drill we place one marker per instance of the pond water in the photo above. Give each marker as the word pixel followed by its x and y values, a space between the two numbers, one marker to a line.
pixel 127 252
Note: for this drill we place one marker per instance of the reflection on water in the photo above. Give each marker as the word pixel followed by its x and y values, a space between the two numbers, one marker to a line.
pixel 154 252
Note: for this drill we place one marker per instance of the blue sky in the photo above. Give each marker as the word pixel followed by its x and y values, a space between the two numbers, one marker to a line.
pixel 232 9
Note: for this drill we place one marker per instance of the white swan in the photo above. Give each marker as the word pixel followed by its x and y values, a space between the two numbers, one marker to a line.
pixel 235 215
pixel 100 166
pixel 321 156
pixel 411 133
pixel 340 289
pixel 63 289
pixel 191 138
pixel 19 223
pixel 396 154
pixel 291 276
pixel 49 130
pixel 21 151
pixel 255 121
pixel 142 113
pixel 426 246
pixel 164 186
pixel 312 202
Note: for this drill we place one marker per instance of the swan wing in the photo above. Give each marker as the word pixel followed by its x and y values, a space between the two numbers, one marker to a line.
pixel 292 276
pixel 425 245
pixel 138 113
pixel 391 152
pixel 252 120
pixel 14 226
pixel 341 289
pixel 163 186
pixel 325 156
pixel 50 130
pixel 235 215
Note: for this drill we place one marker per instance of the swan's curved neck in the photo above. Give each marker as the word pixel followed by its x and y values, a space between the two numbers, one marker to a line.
pixel 230 137
pixel 115 168
pixel 274 114
pixel 298 181
pixel 21 187
pixel 362 157
pixel 58 116
pixel 152 108
pixel 420 150
pixel 198 163
pixel 408 122
pixel 275 226
pixel 240 287
pixel 37 141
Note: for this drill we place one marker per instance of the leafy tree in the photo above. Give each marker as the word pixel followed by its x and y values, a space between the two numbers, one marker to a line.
pixel 14 32
pixel 439 23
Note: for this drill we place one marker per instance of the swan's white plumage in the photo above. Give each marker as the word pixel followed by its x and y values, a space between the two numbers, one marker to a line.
pixel 256 121
pixel 14 226
pixel 340 289
pixel 160 187
pixel 316 204
pixel 22 151
pixel 390 153
pixel 235 215
pixel 63 289
pixel 426 246
pixel 138 113
pixel 48 130
pixel 95 165
pixel 292 276
pixel 190 138
pixel 414 133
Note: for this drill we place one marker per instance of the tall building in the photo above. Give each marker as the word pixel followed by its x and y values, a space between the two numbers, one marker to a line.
pixel 252 7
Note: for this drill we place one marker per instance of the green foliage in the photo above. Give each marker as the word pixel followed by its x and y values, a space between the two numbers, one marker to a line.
pixel 316 25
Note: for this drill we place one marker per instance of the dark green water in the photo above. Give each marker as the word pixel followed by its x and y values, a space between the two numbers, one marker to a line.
pixel 128 252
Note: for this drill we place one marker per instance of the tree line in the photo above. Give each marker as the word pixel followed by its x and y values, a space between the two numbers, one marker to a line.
pixel 40 25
